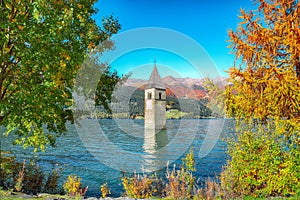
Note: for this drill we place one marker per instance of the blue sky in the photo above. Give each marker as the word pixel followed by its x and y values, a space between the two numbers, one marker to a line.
pixel 203 21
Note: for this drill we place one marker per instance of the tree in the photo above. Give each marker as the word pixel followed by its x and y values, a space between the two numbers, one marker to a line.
pixel 109 80
pixel 95 84
pixel 43 44
pixel 264 98
pixel 216 96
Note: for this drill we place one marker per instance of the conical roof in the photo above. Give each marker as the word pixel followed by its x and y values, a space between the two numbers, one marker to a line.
pixel 155 81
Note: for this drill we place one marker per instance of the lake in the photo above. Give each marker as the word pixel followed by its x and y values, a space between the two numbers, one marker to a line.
pixel 100 151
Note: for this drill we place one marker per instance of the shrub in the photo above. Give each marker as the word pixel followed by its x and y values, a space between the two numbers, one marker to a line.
pixel 262 165
pixel 19 181
pixel 33 178
pixel 158 186
pixel 181 182
pixel 211 191
pixel 51 185
pixel 138 186
pixel 72 186
pixel 104 190
pixel 26 177
pixel 9 170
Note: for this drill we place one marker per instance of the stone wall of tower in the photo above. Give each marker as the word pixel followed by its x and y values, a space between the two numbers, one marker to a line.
pixel 160 115
pixel 155 109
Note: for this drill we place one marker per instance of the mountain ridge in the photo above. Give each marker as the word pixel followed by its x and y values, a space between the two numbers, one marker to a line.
pixel 180 87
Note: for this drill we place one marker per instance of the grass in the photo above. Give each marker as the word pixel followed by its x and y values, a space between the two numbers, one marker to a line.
pixel 175 114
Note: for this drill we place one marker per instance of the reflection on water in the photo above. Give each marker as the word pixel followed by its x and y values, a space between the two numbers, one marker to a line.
pixel 154 141
pixel 150 152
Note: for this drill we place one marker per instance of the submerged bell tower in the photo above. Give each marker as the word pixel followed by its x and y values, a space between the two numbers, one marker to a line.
pixel 155 102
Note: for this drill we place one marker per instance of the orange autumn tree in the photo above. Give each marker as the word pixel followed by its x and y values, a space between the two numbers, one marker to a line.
pixel 264 98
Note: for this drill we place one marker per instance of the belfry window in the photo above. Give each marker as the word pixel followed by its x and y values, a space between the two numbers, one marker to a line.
pixel 159 95
pixel 149 95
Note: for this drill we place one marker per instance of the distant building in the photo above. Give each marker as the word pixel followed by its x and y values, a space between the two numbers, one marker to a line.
pixel 155 102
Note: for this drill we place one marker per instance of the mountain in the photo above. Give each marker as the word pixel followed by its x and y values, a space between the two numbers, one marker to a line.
pixel 192 88
pixel 187 95
pixel 170 81
pixel 130 100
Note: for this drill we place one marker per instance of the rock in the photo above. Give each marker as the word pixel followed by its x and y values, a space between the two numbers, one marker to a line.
pixel 91 198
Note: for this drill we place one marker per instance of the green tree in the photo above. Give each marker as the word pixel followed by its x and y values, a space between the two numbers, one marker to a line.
pixel 43 43
pixel 109 80
pixel 95 84
pixel 264 98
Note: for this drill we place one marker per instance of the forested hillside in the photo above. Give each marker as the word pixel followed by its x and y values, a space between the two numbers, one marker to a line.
pixel 134 107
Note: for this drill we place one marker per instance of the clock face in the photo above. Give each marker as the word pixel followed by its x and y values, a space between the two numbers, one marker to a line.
pixel 148 104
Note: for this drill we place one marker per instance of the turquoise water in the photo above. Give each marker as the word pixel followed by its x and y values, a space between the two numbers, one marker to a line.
pixel 96 161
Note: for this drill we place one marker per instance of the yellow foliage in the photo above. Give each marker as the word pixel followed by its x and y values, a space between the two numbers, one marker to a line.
pixel 62 64
pixel 72 185
pixel 91 45
pixel 138 186
pixel 267 83
pixel 104 190
pixel 264 98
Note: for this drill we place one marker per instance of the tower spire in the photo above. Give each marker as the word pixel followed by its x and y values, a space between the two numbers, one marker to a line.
pixel 155 80
pixel 155 101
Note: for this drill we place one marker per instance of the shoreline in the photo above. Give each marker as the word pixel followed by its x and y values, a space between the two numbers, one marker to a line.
pixel 4 194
